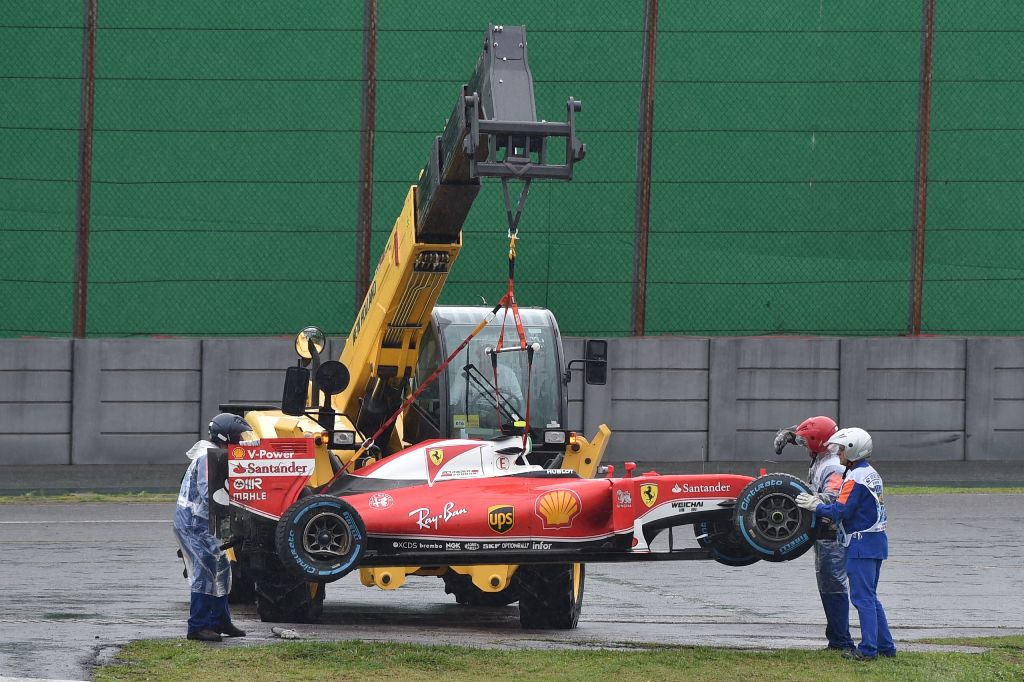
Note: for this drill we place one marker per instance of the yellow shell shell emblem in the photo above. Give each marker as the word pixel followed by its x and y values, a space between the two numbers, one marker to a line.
pixel 237 453
pixel 558 508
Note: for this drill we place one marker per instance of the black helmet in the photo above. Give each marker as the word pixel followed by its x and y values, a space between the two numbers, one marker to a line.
pixel 228 428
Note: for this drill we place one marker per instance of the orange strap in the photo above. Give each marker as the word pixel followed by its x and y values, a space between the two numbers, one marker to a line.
pixel 508 301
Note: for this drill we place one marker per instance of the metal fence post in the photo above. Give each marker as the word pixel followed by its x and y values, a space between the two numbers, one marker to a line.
pixel 921 169
pixel 91 10
pixel 643 167
pixel 367 128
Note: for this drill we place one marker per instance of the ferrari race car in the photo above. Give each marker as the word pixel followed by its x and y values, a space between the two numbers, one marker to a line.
pixel 460 502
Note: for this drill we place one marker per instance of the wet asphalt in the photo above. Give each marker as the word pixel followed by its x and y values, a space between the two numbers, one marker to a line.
pixel 79 580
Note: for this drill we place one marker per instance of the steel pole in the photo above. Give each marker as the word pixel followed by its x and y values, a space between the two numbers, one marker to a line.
pixel 644 143
pixel 921 168
pixel 91 10
pixel 367 129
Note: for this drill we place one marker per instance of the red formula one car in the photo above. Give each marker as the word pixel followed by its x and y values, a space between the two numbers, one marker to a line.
pixel 470 502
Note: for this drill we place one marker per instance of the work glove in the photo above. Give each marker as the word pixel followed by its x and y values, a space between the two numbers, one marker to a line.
pixel 783 438
pixel 808 501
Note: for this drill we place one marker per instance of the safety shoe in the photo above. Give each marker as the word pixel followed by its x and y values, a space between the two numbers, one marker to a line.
pixel 230 630
pixel 838 648
pixel 204 635
pixel 857 655
pixel 888 654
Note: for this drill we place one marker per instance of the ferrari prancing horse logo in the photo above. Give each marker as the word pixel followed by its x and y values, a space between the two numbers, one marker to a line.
pixel 649 493
pixel 436 456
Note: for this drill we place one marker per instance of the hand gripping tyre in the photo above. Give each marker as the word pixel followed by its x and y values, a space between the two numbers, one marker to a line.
pixel 551 596
pixel 320 538
pixel 724 540
pixel 769 521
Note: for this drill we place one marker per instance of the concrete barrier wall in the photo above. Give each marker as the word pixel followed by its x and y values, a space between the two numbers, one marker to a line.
pixel 671 399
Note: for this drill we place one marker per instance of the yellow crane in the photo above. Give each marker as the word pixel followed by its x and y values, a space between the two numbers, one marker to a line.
pixel 400 338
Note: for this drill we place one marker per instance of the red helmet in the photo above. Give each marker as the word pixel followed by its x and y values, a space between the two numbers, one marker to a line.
pixel 815 432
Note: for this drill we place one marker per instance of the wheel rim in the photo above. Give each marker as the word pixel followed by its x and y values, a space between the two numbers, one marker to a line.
pixel 777 517
pixel 576 573
pixel 326 536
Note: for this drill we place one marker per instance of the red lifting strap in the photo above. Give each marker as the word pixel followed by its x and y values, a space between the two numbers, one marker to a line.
pixel 509 301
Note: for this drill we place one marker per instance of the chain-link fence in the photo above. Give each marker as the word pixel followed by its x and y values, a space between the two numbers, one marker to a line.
pixel 797 150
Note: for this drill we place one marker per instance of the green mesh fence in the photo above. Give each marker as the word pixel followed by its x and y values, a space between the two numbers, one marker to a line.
pixel 226 164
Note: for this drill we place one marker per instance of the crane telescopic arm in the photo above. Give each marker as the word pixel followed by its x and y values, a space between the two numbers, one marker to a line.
pixel 492 131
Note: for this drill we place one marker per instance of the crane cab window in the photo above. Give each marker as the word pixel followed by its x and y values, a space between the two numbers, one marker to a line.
pixel 429 402
pixel 482 398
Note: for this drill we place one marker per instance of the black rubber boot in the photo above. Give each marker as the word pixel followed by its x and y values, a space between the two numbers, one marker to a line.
pixel 857 655
pixel 205 635
pixel 230 630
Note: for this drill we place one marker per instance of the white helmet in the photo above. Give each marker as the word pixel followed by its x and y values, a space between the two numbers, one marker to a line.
pixel 856 443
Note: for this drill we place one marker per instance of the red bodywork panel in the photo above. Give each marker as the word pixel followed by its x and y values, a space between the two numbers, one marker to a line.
pixel 443 496
pixel 266 478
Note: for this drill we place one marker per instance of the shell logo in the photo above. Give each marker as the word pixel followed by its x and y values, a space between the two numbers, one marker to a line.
pixel 237 453
pixel 558 508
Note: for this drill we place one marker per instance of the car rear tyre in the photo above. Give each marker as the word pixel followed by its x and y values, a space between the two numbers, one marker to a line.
pixel 769 521
pixel 320 538
pixel 724 540
pixel 551 596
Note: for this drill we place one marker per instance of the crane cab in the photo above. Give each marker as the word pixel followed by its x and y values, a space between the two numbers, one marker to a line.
pixel 476 398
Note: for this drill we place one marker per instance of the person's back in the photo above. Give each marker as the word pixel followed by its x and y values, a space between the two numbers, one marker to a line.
pixel 192 509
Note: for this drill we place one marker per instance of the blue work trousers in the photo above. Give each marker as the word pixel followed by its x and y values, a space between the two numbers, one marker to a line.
pixel 874 628
pixel 830 570
pixel 208 613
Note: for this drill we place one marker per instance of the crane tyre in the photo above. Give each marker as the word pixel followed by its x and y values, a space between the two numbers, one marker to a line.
pixel 551 596
pixel 285 601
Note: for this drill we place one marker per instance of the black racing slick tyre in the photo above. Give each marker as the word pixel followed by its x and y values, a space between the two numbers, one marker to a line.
pixel 725 543
pixel 551 596
pixel 769 521
pixel 320 538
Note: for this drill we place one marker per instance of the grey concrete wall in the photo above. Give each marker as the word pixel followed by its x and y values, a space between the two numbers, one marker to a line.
pixel 935 399
pixel 994 414
pixel 35 401
pixel 135 401
pixel 671 399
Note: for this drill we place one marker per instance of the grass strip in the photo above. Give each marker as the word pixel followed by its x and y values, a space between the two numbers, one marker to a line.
pixel 1008 642
pixel 172 660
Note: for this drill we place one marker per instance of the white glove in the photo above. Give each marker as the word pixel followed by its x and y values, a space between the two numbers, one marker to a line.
pixel 807 501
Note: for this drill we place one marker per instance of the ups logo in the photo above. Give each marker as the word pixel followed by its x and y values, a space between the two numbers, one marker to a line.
pixel 501 518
